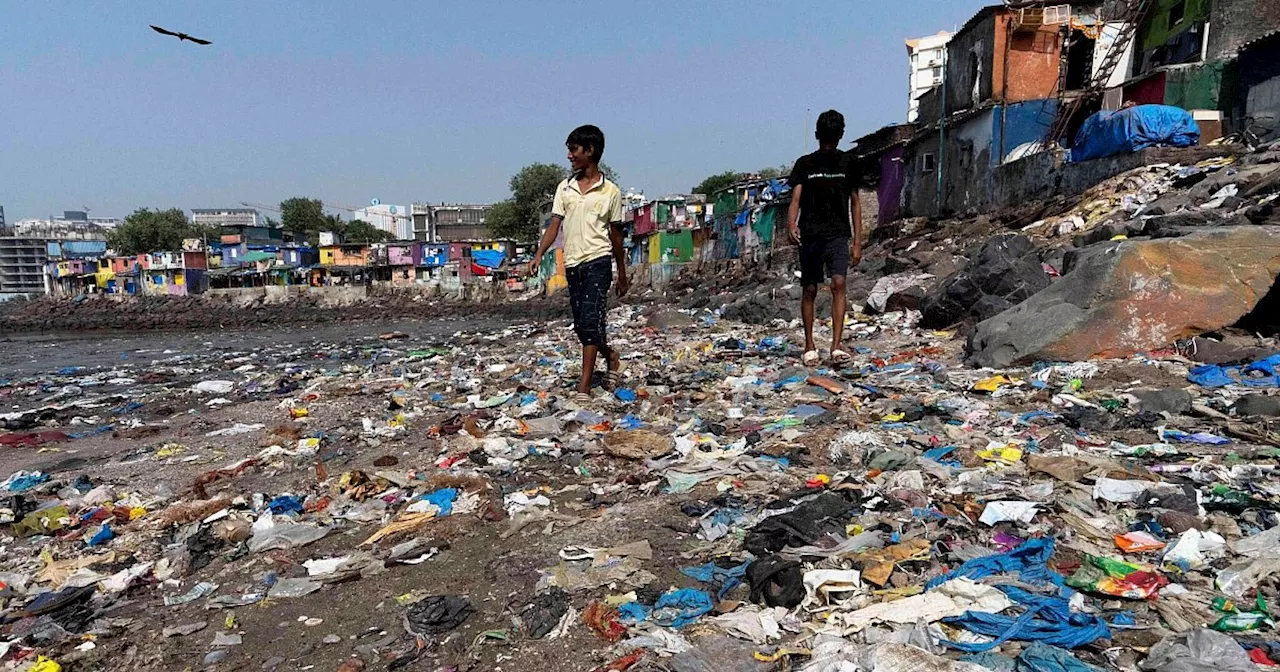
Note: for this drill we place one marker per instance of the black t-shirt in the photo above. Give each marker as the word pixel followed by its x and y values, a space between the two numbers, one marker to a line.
pixel 829 178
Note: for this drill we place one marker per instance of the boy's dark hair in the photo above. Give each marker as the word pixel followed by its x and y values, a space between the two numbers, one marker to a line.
pixel 592 137
pixel 830 126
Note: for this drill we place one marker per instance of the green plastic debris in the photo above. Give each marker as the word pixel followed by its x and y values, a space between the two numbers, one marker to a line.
pixel 43 521
pixel 1235 620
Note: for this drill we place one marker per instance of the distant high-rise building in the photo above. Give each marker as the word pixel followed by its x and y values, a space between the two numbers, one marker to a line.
pixel 72 225
pixel 22 261
pixel 394 219
pixel 456 222
pixel 27 246
pixel 927 56
pixel 220 217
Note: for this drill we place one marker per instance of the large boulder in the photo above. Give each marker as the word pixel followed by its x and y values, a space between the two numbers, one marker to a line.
pixel 1005 272
pixel 1131 296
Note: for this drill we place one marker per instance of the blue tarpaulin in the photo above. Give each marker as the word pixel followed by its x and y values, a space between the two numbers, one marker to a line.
pixel 488 258
pixel 1045 617
pixel 1262 373
pixel 1136 128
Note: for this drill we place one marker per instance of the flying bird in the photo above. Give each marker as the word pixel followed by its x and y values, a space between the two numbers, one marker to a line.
pixel 181 36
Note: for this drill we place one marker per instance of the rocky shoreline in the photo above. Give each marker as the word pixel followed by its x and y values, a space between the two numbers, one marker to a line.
pixel 214 312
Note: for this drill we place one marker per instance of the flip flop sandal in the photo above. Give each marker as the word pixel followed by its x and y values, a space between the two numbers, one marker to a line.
pixel 811 358
pixel 581 398
pixel 613 379
pixel 839 357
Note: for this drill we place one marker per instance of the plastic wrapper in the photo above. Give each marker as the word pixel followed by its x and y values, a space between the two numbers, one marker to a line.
pixel 1117 578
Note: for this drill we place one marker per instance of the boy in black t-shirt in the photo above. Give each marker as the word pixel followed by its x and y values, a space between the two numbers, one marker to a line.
pixel 824 207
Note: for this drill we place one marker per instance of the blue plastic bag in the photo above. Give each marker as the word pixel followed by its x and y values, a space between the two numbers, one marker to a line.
pixel 679 608
pixel 724 578
pixel 442 498
pixel 285 504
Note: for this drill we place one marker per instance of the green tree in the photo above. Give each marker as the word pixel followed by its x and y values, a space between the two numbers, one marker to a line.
pixel 505 219
pixel 717 182
pixel 360 231
pixel 532 189
pixel 304 214
pixel 148 230
pixel 728 178
pixel 536 183
pixel 205 232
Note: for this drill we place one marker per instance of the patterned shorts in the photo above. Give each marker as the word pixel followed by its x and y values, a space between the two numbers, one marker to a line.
pixel 589 297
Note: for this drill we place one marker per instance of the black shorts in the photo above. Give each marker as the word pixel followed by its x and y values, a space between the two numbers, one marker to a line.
pixel 589 298
pixel 823 258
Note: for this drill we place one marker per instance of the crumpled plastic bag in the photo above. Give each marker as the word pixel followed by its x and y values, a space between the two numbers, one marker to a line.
pixel 436 615
pixel 833 654
pixel 753 624
pixel 952 598
pixel 1201 650
pixel 285 536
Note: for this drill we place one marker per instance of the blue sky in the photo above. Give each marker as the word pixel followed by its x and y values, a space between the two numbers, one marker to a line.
pixel 425 101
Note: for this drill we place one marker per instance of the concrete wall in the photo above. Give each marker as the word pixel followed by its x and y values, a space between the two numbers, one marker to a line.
pixel 969 65
pixel 965 165
pixel 1234 23
pixel 967 172
pixel 1033 178
pixel 988 61
pixel 1044 175
pixel 1033 63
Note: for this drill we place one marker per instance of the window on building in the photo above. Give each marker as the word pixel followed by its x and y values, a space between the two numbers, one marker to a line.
pixel 937 74
pixel 1057 14
pixel 1177 13
pixel 928 163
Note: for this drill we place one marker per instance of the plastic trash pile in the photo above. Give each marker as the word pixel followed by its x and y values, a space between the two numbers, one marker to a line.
pixel 394 502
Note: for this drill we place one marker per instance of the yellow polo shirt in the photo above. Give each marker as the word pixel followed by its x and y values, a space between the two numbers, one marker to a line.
pixel 587 217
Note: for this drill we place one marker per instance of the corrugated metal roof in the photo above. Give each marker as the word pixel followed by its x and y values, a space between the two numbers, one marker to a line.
pixel 1255 42
pixel 255 256
pixel 84 246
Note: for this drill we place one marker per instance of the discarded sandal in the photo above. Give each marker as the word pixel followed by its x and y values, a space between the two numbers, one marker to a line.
pixel 613 379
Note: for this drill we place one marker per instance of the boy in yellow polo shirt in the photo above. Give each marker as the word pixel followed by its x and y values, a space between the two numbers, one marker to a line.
pixel 589 207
